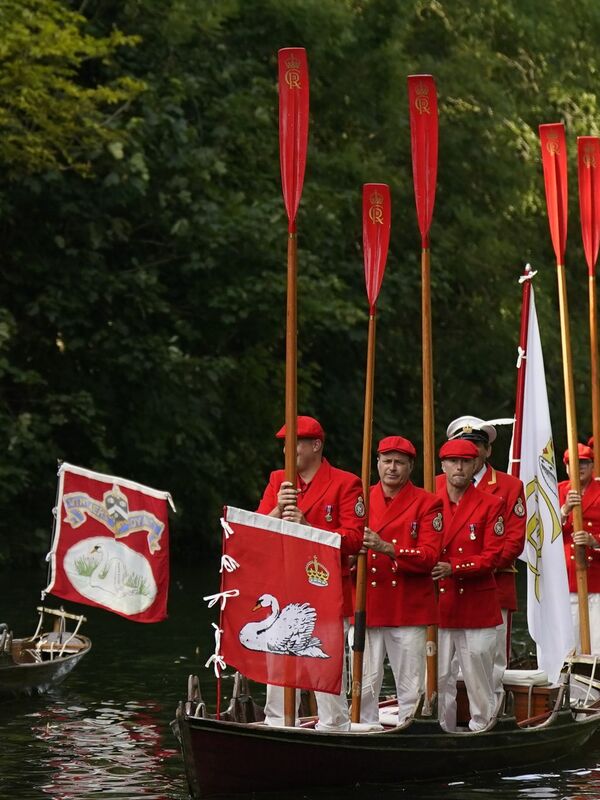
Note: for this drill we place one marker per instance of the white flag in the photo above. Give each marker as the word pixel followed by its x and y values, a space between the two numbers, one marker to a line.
pixel 548 605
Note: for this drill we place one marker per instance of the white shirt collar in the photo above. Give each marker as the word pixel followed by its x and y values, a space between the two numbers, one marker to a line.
pixel 479 475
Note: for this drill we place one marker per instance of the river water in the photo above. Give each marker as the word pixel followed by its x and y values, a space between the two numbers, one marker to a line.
pixel 106 729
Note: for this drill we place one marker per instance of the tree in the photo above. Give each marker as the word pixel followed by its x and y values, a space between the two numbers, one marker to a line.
pixel 54 112
pixel 142 328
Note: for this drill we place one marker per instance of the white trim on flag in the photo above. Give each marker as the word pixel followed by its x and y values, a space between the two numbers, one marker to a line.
pixel 276 525
pixel 98 476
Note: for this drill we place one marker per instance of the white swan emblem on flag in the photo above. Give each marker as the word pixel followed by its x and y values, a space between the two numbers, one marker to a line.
pixel 288 631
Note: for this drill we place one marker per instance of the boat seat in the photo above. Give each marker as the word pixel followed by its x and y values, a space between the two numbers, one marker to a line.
pixel 521 677
pixel 53 643
pixel 525 677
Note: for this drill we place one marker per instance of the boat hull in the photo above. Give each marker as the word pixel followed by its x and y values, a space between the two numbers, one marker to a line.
pixel 271 759
pixel 39 677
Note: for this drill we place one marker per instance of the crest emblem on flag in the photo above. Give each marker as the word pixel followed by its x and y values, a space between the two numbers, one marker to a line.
pixel 110 545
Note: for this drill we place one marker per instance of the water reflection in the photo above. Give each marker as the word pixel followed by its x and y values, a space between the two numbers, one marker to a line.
pixel 107 728
pixel 102 747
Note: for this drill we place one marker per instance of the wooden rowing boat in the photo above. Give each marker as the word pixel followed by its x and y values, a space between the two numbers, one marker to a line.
pixel 37 663
pixel 238 754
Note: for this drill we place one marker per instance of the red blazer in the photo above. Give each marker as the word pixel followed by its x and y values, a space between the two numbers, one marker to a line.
pixel 334 502
pixel 514 512
pixel 590 507
pixel 473 541
pixel 400 590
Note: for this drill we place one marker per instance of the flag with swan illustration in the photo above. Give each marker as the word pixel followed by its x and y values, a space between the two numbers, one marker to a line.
pixel 281 602
pixel 111 544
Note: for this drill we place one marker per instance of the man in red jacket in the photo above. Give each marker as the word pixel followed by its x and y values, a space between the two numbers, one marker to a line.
pixel 468 602
pixel 589 499
pixel 404 538
pixel 331 499
pixel 510 490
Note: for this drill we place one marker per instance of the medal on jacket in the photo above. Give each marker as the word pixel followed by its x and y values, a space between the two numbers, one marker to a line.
pixel 472 535
pixel 519 508
pixel 414 527
pixel 359 507
pixel 328 514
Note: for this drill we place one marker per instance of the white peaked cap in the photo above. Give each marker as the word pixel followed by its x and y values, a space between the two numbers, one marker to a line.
pixel 463 426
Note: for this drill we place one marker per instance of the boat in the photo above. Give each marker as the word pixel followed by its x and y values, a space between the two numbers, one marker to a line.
pixel 300 758
pixel 37 663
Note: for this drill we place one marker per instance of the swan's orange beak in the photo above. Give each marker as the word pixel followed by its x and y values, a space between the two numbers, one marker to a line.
pixel 257 607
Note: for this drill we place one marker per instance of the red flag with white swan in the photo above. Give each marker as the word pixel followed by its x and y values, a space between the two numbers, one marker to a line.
pixel 281 599
pixel 111 544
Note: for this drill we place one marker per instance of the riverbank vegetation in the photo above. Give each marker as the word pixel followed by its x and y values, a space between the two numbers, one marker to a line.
pixel 143 233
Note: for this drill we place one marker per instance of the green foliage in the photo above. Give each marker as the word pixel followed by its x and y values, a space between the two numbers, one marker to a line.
pixel 53 110
pixel 143 275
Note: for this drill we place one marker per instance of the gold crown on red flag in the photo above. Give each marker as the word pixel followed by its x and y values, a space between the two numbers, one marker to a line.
pixel 292 62
pixel 376 198
pixel 317 574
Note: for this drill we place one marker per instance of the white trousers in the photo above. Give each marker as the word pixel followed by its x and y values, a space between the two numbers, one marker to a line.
pixel 331 708
pixel 500 659
pixel 405 649
pixel 475 649
pixel 594 613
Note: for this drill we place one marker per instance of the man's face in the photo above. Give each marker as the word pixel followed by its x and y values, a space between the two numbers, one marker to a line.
pixel 459 471
pixel 586 471
pixel 308 453
pixel 484 451
pixel 394 470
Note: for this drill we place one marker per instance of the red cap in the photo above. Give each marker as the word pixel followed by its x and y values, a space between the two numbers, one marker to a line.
pixel 398 444
pixel 584 452
pixel 591 442
pixel 306 428
pixel 458 448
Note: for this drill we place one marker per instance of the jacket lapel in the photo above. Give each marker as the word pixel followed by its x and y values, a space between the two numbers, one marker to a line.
pixel 490 479
pixel 399 505
pixel 468 503
pixel 317 488
pixel 590 496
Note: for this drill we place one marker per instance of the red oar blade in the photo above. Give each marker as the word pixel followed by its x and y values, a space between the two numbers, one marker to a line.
pixel 293 125
pixel 588 164
pixel 554 161
pixel 377 217
pixel 422 102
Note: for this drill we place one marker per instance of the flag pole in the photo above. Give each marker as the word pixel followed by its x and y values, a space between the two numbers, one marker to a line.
pixel 515 459
pixel 554 161
pixel 293 140
pixel 376 206
pixel 423 112
pixel 588 163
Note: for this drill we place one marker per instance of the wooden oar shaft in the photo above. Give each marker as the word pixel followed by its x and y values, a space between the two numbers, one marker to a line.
pixel 361 564
pixel 594 373
pixel 368 415
pixel 580 562
pixel 428 437
pixel 291 395
pixel 427 360
pixel 291 359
